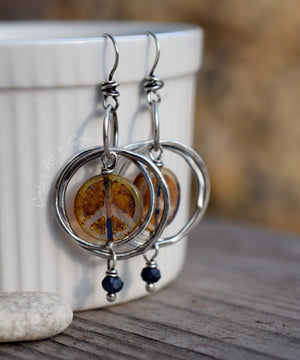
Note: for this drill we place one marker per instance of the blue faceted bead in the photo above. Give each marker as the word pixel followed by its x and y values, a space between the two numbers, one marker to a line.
pixel 150 275
pixel 112 284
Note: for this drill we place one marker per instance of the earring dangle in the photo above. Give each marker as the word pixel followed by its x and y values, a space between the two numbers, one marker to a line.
pixel 108 216
pixel 155 149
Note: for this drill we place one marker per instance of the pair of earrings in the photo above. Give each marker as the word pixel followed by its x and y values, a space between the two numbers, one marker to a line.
pixel 112 216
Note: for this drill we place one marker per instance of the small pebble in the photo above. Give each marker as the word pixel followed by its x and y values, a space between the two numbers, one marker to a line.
pixel 32 315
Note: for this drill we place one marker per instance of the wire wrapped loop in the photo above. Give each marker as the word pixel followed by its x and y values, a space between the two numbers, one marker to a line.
pixel 111 263
pixel 152 84
pixel 156 250
pixel 109 90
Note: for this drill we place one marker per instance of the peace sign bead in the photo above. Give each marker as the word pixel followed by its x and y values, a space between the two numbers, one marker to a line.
pixel 108 207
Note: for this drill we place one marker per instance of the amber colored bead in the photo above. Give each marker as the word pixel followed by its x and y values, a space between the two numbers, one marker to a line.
pixel 108 207
pixel 174 189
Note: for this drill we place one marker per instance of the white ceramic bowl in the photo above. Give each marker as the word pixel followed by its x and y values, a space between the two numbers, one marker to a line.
pixel 49 72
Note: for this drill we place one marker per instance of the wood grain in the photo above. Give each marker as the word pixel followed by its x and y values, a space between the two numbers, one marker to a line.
pixel 237 298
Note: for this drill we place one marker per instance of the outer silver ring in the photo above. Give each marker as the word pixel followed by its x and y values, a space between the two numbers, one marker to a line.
pixel 59 191
pixel 62 182
pixel 199 169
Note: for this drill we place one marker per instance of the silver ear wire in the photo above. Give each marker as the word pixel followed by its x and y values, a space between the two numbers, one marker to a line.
pixel 112 72
pixel 109 87
pixel 157 52
pixel 152 83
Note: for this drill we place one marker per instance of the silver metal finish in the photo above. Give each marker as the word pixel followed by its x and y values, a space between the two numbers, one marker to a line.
pixel 156 158
pixel 121 248
pixel 111 297
pixel 151 260
pixel 157 51
pixel 198 168
pixel 155 125
pixel 150 287
pixel 112 261
pixel 106 136
pixel 136 242
pixel 109 88
pixel 151 85
pixel 114 68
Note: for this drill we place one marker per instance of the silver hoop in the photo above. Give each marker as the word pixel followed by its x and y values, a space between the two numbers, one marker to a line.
pixel 106 137
pixel 199 169
pixel 155 125
pixel 59 192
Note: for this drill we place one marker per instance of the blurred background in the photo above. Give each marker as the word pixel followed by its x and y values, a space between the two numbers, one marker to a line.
pixel 247 111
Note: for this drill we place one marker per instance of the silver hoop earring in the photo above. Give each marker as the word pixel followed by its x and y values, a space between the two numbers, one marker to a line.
pixel 154 149
pixel 107 212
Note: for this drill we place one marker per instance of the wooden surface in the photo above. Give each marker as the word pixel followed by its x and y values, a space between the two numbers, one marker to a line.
pixel 238 298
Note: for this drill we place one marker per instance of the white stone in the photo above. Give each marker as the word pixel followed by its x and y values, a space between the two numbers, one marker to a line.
pixel 32 315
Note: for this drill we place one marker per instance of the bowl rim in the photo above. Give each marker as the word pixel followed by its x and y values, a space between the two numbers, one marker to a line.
pixel 76 31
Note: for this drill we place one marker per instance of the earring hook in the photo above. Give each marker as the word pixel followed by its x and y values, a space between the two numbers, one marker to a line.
pixel 111 74
pixel 157 52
